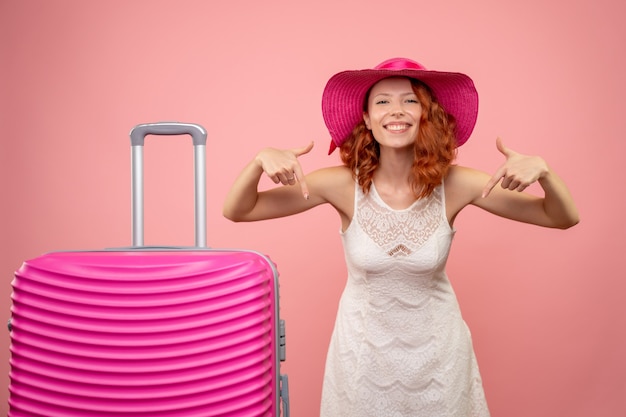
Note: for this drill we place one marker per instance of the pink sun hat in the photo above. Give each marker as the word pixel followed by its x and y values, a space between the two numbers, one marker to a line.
pixel 344 96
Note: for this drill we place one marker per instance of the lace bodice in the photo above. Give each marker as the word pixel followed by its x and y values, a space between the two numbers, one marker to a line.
pixel 399 232
pixel 415 240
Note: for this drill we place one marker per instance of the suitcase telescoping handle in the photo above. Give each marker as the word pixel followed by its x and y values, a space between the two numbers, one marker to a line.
pixel 137 136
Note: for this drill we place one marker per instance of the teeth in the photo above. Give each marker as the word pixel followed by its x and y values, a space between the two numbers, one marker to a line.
pixel 397 127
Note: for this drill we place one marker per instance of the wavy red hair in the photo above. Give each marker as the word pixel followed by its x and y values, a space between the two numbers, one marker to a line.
pixel 435 146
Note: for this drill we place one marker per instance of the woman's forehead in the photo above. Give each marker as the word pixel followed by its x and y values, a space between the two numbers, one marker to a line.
pixel 392 84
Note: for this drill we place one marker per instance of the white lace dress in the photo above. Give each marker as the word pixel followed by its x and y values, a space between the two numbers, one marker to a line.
pixel 400 347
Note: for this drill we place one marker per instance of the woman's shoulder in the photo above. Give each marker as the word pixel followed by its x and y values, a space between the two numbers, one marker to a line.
pixel 339 175
pixel 465 180
pixel 335 185
pixel 462 175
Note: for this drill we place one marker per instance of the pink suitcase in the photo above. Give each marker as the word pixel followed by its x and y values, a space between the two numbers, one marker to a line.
pixel 145 331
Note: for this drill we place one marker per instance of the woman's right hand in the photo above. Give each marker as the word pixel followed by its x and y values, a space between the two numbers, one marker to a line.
pixel 283 167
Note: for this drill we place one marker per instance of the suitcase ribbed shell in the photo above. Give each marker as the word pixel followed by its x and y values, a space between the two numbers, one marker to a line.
pixel 144 333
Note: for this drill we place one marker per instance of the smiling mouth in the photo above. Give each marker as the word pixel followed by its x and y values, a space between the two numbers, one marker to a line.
pixel 397 127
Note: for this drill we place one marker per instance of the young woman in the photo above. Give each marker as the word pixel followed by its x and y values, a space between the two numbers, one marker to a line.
pixel 400 346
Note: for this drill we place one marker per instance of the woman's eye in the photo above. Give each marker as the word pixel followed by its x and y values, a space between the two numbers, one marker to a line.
pixel 412 100
pixel 382 102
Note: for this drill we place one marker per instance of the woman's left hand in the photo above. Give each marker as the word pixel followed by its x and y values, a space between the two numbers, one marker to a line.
pixel 518 171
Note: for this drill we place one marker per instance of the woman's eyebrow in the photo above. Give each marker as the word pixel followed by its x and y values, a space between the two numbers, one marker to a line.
pixel 408 93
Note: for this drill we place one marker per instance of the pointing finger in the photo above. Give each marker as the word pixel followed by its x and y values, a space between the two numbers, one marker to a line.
pixel 493 181
pixel 299 175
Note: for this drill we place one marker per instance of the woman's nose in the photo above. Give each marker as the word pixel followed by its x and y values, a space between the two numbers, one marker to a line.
pixel 397 110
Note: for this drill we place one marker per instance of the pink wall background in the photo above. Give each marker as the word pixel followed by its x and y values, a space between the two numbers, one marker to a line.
pixel 545 307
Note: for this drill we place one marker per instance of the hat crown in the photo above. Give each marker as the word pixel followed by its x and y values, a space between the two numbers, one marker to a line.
pixel 399 64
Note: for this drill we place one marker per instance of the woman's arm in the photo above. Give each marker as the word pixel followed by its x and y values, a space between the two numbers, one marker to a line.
pixel 245 203
pixel 332 185
pixel 555 209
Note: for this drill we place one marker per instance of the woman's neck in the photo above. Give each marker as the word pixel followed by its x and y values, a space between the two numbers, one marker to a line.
pixel 394 168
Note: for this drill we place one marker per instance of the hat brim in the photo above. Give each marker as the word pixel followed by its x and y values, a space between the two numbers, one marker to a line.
pixel 344 94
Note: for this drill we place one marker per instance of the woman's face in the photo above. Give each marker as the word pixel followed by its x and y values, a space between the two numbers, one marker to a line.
pixel 393 113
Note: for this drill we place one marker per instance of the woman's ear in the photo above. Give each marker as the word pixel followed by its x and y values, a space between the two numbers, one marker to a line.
pixel 366 119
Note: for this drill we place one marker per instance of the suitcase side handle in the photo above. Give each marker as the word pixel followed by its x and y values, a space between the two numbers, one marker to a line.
pixel 137 137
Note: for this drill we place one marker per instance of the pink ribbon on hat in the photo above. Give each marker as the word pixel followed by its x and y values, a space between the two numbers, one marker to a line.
pixel 400 64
